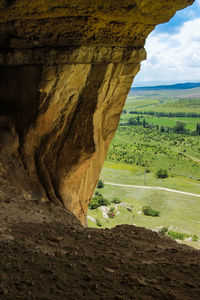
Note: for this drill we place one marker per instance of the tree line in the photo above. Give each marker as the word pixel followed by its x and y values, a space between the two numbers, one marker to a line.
pixel 178 128
pixel 165 114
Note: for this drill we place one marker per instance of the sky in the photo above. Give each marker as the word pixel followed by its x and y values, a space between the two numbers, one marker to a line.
pixel 173 50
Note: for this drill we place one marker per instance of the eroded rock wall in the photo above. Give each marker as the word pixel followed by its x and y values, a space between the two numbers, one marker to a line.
pixel 66 69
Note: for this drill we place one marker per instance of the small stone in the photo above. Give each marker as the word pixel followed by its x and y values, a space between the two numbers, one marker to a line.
pixel 109 270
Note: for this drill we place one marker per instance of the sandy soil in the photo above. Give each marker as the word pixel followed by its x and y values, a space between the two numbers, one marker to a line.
pixel 46 254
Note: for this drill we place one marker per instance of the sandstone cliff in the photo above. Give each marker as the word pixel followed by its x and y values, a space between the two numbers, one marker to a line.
pixel 66 69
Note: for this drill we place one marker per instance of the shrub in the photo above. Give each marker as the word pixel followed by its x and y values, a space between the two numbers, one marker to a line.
pixel 179 127
pixel 97 193
pixel 164 230
pixel 162 173
pixel 195 238
pixel 111 213
pixel 132 121
pixel 94 203
pixel 116 200
pixel 129 209
pixel 148 211
pixel 100 184
pixel 98 222
pixel 103 201
pixel 97 201
pixel 177 235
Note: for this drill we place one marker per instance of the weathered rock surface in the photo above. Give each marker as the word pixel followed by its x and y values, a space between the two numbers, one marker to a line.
pixel 66 69
pixel 61 23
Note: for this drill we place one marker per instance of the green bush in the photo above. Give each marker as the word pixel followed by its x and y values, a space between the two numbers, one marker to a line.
pixel 97 193
pixel 100 184
pixel 177 235
pixel 129 208
pixel 102 201
pixel 164 230
pixel 94 203
pixel 132 121
pixel 148 211
pixel 195 238
pixel 162 173
pixel 179 127
pixel 111 213
pixel 116 200
pixel 97 201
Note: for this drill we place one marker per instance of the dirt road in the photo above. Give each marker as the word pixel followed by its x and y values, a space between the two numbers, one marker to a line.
pixel 153 188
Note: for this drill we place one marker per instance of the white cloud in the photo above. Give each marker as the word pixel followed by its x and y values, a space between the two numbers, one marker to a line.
pixel 173 57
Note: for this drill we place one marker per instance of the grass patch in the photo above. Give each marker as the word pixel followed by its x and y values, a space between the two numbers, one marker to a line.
pixel 148 211
pixel 174 208
pixel 177 235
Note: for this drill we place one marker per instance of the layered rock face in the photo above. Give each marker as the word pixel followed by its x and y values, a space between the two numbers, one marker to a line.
pixel 66 68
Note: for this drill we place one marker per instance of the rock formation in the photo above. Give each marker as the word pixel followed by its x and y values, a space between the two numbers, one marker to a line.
pixel 66 69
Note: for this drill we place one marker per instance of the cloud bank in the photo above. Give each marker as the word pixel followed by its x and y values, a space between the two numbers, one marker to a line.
pixel 173 57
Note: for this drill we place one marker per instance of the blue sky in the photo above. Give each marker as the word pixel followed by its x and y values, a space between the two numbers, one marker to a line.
pixel 173 50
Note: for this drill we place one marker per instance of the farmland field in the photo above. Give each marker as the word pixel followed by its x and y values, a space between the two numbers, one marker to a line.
pixel 181 105
pixel 187 101
pixel 141 147
pixel 165 121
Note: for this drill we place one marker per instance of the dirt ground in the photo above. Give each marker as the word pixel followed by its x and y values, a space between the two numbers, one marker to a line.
pixel 46 254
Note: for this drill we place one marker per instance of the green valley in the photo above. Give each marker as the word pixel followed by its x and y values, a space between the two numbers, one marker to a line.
pixel 146 145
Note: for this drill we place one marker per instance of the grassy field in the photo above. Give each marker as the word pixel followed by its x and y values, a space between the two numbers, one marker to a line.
pixel 137 153
pixel 165 95
pixel 178 212
pixel 171 122
pixel 137 102
pixel 164 101
pixel 132 175
pixel 178 105
pixel 152 149
pixel 190 123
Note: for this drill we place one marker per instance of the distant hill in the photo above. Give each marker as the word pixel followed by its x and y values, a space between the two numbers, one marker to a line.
pixel 177 86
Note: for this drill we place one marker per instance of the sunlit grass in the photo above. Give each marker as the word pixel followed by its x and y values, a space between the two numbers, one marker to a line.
pixel 177 211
